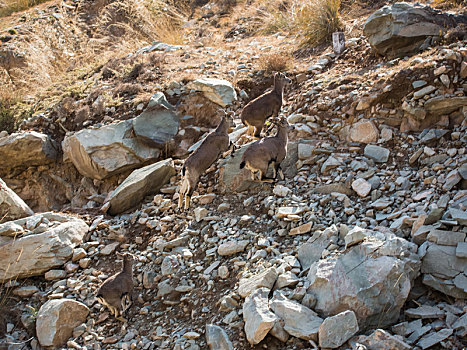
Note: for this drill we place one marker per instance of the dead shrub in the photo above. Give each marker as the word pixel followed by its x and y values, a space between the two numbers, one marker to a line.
pixel 127 89
pixel 274 62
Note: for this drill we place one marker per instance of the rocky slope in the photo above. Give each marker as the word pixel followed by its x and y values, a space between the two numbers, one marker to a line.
pixel 363 245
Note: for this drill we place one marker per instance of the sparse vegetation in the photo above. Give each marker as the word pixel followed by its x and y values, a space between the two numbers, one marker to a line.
pixel 12 6
pixel 274 62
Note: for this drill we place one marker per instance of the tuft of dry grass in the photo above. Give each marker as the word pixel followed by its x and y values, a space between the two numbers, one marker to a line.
pixel 274 62
pixel 7 7
pixel 313 20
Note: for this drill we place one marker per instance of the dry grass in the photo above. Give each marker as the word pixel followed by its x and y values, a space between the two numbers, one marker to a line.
pixel 7 7
pixel 274 62
pixel 313 20
pixel 449 4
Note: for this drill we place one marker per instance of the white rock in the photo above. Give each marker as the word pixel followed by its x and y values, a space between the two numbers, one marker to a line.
pixel 362 187
pixel 258 319
pixel 266 279
pixel 336 330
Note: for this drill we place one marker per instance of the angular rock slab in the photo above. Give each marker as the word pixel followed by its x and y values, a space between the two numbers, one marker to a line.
pixel 11 205
pixel 109 150
pixel 158 123
pixel 373 279
pixel 383 340
pixel 336 330
pixel 257 316
pixel 217 338
pixel 299 321
pixel 266 279
pixel 56 320
pixel 443 270
pixel 26 149
pixel 140 183
pixel 234 179
pixel 402 28
pixel 218 91
pixel 364 131
pixel 32 254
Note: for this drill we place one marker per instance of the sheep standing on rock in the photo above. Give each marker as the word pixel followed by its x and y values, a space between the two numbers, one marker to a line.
pixel 269 104
pixel 115 292
pixel 213 146
pixel 269 150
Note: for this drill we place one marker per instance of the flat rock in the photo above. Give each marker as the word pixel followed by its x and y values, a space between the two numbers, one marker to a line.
pixel 461 250
pixel 218 91
pixel 330 164
pixel 336 330
pixel 425 311
pixel 232 247
pixel 313 248
pixel 299 321
pixel 26 149
pixel 217 338
pixel 266 279
pixel 452 179
pixel 383 340
pixel 140 183
pixel 43 251
pixel 286 279
pixel 257 316
pixel 300 230
pixel 56 320
pixel 459 215
pixel 26 291
pixel 12 207
pixel 434 338
pixel 377 153
pixel 106 151
pixel 442 237
pixel 441 105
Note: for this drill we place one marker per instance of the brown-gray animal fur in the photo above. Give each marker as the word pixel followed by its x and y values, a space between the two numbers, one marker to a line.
pixel 269 104
pixel 213 146
pixel 269 150
pixel 116 291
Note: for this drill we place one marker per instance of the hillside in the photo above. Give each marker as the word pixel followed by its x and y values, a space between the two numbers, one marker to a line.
pixel 362 245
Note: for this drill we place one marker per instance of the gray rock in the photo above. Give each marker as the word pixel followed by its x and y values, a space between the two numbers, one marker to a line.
pixel 311 251
pixel 372 279
pixel 336 330
pixel 140 183
pixel 305 151
pixel 377 153
pixel 279 332
pixel 425 311
pixel 27 149
pixel 232 247
pixel 460 326
pixel 217 338
pixel 258 319
pixel 446 237
pixel 43 251
pixel 434 338
pixel 158 123
pixel 286 279
pixel 330 164
pixel 452 179
pixel 299 321
pixel 56 320
pixel 11 205
pixel 441 105
pixel 440 267
pixel 459 215
pixel 217 90
pixel 431 135
pixel 425 91
pixel 266 279
pixel 461 250
pixel 401 29
pixel 109 150
pixel 159 46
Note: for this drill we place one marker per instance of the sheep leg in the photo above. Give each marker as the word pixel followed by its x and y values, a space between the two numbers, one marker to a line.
pixel 257 131
pixel 281 173
pixel 263 178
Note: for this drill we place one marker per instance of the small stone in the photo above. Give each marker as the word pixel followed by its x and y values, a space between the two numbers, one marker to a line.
pixel 52 275
pixel 200 213
pixel 459 215
pixel 266 279
pixel 336 330
pixel 281 191
pixel 109 248
pixel 364 131
pixel 191 335
pixel 425 311
pixel 461 250
pixel 362 187
pixel 377 153
pixel 223 272
pixel 425 91
pixel 26 291
pixel 217 338
pixel 78 253
pixel 286 279
pixel 452 179
pixel 305 228
pixel 232 247
pixel 434 338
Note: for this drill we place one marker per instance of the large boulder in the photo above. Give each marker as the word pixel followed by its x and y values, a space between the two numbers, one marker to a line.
pixel 217 90
pixel 38 243
pixel 402 28
pixel 11 205
pixel 234 179
pixel 26 149
pixel 372 278
pixel 158 123
pixel 56 320
pixel 217 338
pixel 258 318
pixel 444 268
pixel 106 151
pixel 140 183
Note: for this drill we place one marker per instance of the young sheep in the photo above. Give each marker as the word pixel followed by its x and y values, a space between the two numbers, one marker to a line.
pixel 213 146
pixel 269 150
pixel 269 104
pixel 115 291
